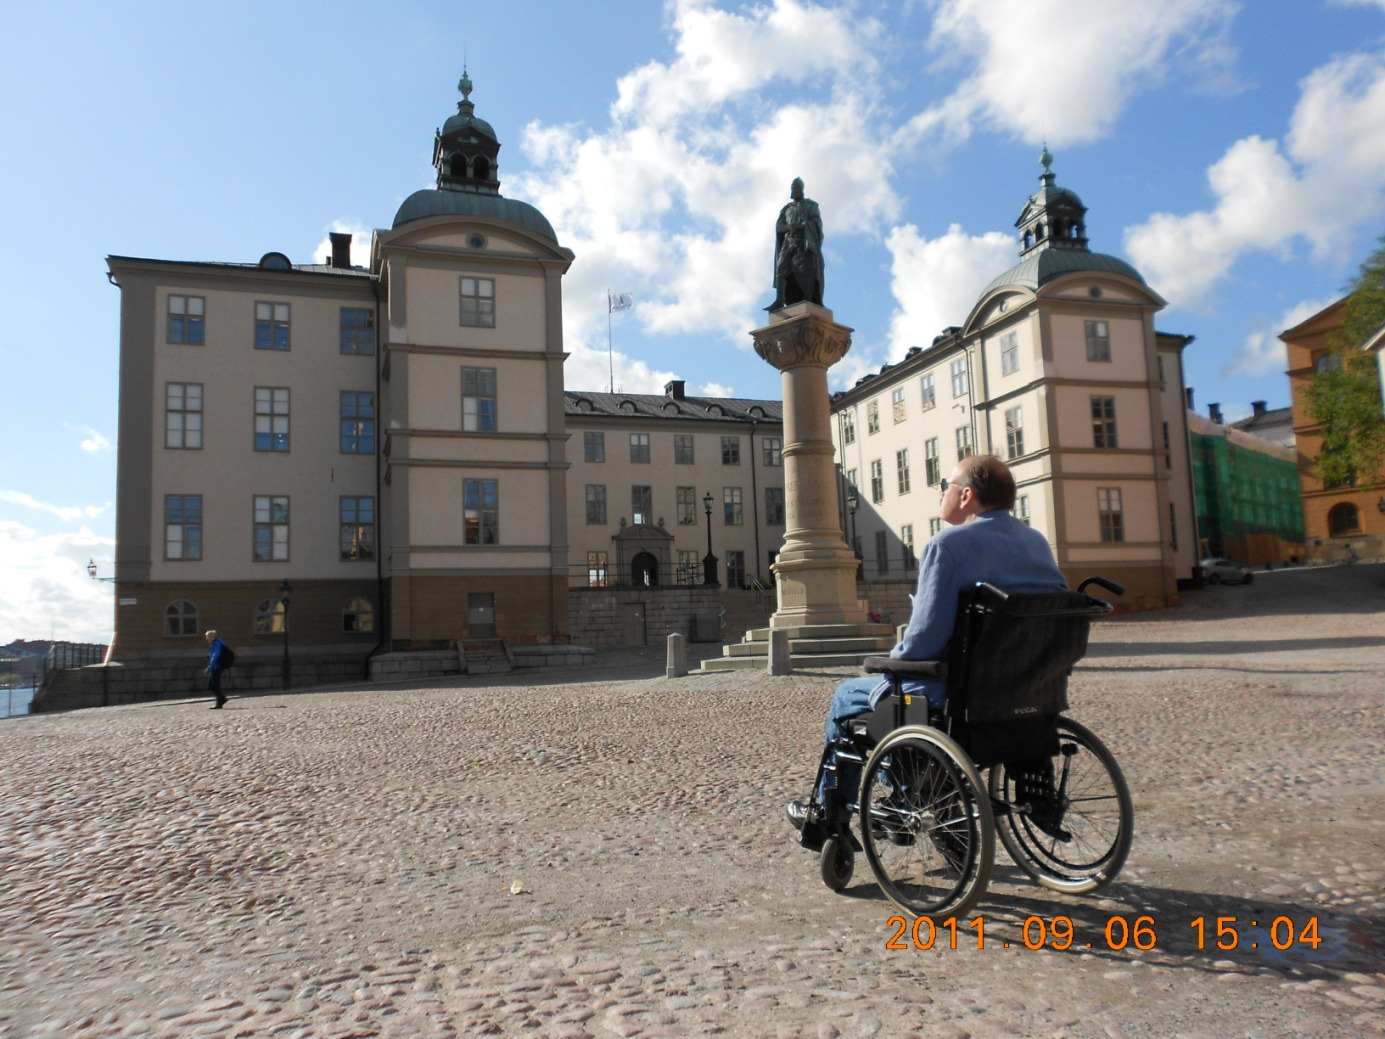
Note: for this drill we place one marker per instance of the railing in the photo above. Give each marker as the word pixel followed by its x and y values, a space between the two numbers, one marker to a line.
pixel 613 576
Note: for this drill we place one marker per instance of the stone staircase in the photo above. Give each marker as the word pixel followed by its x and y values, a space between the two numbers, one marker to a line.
pixel 485 657
pixel 816 646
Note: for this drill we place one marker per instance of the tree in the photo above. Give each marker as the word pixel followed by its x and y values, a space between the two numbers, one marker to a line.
pixel 1344 399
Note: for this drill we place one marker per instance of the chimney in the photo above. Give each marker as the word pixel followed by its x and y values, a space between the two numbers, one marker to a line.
pixel 1258 407
pixel 341 249
pixel 1214 413
pixel 1189 391
pixel 673 389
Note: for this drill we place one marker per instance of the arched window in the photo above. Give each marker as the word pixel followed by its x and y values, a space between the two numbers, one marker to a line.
pixel 358 615
pixel 180 619
pixel 1028 239
pixel 1343 519
pixel 457 166
pixel 269 618
pixel 481 168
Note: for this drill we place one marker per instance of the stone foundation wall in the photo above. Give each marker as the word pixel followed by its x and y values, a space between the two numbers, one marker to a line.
pixel 606 618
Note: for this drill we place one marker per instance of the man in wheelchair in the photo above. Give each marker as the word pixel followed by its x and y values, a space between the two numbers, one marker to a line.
pixel 984 543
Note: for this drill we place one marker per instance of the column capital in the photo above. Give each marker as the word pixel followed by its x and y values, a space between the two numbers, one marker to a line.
pixel 801 335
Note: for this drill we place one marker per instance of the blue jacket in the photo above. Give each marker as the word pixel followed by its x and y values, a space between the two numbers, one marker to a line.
pixel 214 655
pixel 993 547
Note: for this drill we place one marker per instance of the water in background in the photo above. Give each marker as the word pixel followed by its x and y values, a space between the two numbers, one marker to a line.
pixel 15 700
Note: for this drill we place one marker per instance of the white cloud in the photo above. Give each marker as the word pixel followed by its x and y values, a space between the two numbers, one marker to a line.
pixel 713 389
pixel 47 590
pixel 66 513
pixel 1064 69
pixel 95 443
pixel 675 199
pixel 1263 351
pixel 1325 181
pixel 937 280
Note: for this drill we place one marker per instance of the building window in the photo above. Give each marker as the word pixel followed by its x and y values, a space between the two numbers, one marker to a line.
pixel 271 326
pixel 773 452
pixel 932 464
pixel 358 615
pixel 1173 527
pixel 1009 354
pixel 1326 362
pixel 735 568
pixel 935 525
pixel 882 552
pixel 1014 432
pixel 183 526
pixel 731 507
pixel 271 528
pixel 927 391
pixel 478 400
pixel 271 418
pixel 774 506
pixel 1168 448
pixel 851 481
pixel 877 481
pixel 357 530
pixel 1022 509
pixel 1343 519
pixel 687 506
pixel 1108 507
pixel 848 427
pixel 1098 341
pixel 897 404
pixel 906 535
pixel 641 504
pixel 594 446
pixel 357 423
pixel 357 330
pixel 185 319
pixel 598 570
pixel 682 449
pixel 183 416
pixel 901 468
pixel 270 617
pixel 639 447
pixel 963 442
pixel 1160 362
pixel 481 512
pixel 689 569
pixel 478 302
pixel 1103 421
pixel 730 450
pixel 873 417
pixel 959 377
pixel 596 504
pixel 180 619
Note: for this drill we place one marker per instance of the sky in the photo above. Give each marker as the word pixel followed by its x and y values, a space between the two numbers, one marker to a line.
pixel 1233 152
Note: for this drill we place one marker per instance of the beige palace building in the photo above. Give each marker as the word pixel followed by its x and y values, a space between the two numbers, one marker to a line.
pixel 1058 369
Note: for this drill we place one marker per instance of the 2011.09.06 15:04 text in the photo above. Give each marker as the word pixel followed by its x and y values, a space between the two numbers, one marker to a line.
pixel 1120 932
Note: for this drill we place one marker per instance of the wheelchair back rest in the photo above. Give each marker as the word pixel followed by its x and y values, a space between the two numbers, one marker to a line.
pixel 1012 659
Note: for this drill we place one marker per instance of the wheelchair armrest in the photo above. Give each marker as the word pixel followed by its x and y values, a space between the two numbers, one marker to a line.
pixel 905 668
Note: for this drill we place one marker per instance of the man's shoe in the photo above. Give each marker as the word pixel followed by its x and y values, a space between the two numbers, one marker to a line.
pixel 798 814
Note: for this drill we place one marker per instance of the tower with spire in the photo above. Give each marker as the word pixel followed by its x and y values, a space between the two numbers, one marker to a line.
pixel 1053 217
pixel 465 149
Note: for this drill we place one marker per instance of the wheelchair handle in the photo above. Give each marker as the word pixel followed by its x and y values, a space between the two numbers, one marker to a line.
pixel 992 590
pixel 1110 586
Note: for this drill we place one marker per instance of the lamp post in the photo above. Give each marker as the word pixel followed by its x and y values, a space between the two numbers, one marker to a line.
pixel 285 590
pixel 709 565
pixel 91 572
pixel 852 503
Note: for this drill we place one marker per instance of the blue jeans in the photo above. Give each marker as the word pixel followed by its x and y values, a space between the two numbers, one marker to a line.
pixel 851 700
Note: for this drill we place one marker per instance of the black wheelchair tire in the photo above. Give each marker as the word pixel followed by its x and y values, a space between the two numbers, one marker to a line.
pixel 1100 833
pixel 926 823
pixel 836 863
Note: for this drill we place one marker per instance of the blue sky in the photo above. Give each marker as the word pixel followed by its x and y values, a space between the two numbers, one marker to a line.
pixel 1234 152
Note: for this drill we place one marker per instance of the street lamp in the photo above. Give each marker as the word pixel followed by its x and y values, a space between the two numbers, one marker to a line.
pixel 709 565
pixel 285 590
pixel 852 503
pixel 91 572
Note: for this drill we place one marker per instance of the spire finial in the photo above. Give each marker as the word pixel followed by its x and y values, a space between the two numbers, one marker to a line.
pixel 464 85
pixel 1046 159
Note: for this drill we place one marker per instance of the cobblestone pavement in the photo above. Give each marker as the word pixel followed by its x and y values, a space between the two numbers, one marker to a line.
pixel 606 855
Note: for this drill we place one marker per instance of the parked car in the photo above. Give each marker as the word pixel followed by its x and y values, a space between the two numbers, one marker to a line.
pixel 1216 570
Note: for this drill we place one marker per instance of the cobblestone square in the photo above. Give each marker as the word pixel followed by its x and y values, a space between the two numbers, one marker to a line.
pixel 603 853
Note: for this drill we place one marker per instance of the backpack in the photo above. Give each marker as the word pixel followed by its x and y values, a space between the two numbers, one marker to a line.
pixel 228 657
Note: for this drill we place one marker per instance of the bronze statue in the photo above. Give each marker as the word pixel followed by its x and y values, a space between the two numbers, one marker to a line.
pixel 798 251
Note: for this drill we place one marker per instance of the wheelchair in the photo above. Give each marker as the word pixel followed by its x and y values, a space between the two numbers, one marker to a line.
pixel 928 823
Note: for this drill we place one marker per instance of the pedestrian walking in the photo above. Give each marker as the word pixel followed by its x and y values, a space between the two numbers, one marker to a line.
pixel 215 649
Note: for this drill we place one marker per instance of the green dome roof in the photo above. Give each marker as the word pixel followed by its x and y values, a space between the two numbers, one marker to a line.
pixel 461 121
pixel 435 202
pixel 1043 265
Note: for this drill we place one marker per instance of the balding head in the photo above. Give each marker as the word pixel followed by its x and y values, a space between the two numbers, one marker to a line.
pixel 991 481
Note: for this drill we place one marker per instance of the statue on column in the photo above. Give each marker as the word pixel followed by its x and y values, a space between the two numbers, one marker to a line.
pixel 798 275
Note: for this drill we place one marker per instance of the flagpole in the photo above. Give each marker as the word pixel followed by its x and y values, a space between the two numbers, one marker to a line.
pixel 610 355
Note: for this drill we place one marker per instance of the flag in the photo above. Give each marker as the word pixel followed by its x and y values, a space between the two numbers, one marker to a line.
pixel 620 301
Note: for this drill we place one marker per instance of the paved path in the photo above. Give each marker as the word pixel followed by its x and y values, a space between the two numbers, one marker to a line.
pixel 607 857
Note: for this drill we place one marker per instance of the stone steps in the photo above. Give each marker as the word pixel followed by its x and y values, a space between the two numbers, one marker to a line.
pixel 810 647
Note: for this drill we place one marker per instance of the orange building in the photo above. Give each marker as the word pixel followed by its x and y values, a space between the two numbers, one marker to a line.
pixel 1344 520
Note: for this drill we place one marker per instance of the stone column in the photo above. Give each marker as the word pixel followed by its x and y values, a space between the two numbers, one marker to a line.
pixel 815 572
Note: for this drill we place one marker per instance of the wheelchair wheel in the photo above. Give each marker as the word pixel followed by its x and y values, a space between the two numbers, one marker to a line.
pixel 836 863
pixel 926 823
pixel 1069 823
